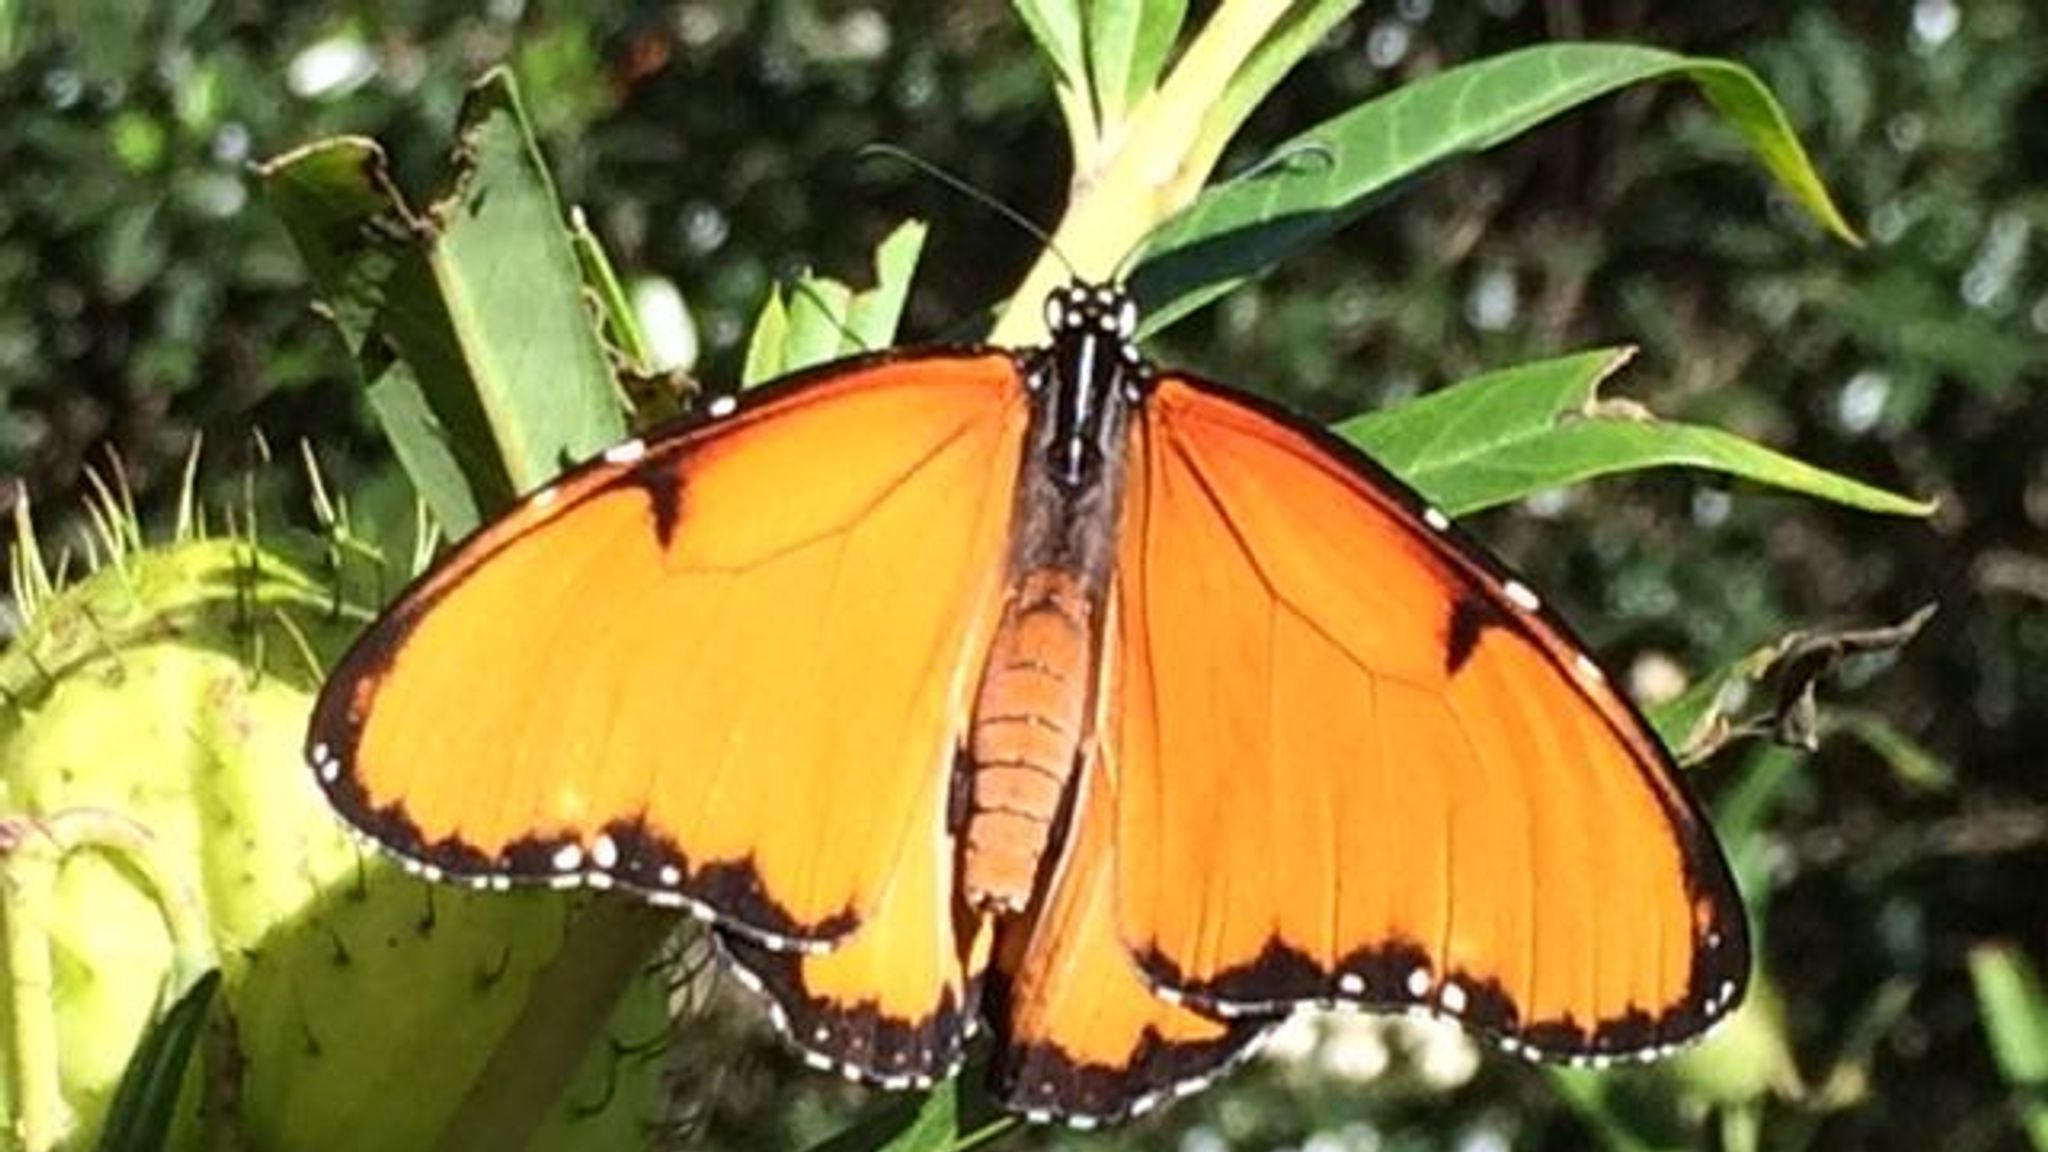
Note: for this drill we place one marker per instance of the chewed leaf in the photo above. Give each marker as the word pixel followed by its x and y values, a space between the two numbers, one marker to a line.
pixel 816 318
pixel 1772 690
pixel 1509 434
pixel 468 321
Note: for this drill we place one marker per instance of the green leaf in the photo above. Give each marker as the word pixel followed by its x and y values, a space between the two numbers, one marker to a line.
pixel 1324 178
pixel 764 347
pixel 1056 25
pixel 140 1117
pixel 1159 25
pixel 1509 434
pixel 2015 1011
pixel 1914 766
pixel 817 319
pixel 873 317
pixel 1276 56
pixel 1773 691
pixel 956 1116
pixel 1128 42
pixel 817 307
pixel 603 281
pixel 469 322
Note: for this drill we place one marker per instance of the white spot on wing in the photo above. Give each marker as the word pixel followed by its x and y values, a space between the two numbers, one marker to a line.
pixel 1435 519
pixel 1589 671
pixel 1418 981
pixel 1453 998
pixel 1519 593
pixel 546 497
pixel 626 452
pixel 1351 984
pixel 604 852
pixel 567 858
pixel 670 875
pixel 723 406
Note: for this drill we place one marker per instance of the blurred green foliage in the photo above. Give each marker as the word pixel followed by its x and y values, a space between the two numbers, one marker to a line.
pixel 145 297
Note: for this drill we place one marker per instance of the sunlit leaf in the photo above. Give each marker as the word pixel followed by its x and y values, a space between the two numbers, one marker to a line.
pixel 468 322
pixel 2015 1013
pixel 1518 431
pixel 1325 177
pixel 815 319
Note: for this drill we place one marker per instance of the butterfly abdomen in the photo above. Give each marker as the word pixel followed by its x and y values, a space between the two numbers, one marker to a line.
pixel 1029 721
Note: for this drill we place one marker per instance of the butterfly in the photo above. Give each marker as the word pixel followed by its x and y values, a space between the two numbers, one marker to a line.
pixel 1048 691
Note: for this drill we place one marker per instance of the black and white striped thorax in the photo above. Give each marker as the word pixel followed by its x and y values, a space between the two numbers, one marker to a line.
pixel 1086 381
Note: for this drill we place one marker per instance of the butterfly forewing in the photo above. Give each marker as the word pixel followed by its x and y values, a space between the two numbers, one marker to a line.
pixel 1358 763
pixel 684 667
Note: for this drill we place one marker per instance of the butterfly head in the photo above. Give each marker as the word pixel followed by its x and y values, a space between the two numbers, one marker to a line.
pixel 1082 308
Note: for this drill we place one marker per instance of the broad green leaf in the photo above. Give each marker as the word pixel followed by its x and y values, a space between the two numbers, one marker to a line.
pixel 1512 433
pixel 817 319
pixel 140 1117
pixel 503 379
pixel 353 231
pixel 1238 228
pixel 2015 1012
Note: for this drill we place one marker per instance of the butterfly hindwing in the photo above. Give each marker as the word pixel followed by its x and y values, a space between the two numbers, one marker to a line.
pixel 681 667
pixel 894 1002
pixel 1358 763
pixel 1081 1036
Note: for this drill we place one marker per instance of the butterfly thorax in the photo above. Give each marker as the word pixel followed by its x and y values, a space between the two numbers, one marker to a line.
pixel 1034 712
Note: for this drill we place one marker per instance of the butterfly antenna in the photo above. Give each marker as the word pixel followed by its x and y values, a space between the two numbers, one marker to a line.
pixel 960 185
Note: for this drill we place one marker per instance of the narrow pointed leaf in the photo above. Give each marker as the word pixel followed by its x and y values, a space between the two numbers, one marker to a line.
pixel 2015 1012
pixel 1056 26
pixel 139 1120
pixel 1304 28
pixel 1509 434
pixel 1159 26
pixel 1325 177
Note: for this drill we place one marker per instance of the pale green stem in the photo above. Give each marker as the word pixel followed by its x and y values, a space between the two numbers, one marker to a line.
pixel 1142 174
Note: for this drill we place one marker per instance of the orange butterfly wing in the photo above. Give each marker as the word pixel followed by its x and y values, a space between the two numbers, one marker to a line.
pixel 1356 762
pixel 1081 1036
pixel 678 671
